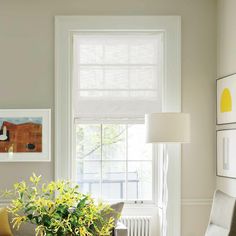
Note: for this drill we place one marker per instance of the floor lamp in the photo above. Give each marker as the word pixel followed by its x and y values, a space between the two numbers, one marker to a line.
pixel 167 128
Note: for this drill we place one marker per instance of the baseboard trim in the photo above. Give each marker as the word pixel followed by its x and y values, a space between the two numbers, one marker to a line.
pixel 196 201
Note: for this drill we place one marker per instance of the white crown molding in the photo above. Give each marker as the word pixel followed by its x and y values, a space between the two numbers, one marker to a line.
pixel 196 201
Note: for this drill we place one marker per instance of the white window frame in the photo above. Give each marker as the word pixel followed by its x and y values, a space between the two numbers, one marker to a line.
pixel 64 26
pixel 154 159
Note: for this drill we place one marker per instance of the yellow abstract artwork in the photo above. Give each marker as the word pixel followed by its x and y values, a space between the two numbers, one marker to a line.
pixel 226 101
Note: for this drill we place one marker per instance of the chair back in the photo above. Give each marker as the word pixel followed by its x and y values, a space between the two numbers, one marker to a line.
pixel 223 217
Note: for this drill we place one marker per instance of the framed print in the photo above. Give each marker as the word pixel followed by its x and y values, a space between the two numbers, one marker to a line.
pixel 25 135
pixel 226 153
pixel 226 100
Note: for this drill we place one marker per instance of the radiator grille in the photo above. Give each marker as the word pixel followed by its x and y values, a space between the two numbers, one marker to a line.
pixel 137 225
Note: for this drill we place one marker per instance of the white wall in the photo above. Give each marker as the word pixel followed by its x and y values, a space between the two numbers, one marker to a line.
pixel 226 62
pixel 27 81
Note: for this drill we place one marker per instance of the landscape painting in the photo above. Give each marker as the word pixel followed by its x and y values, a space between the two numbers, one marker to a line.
pixel 21 134
pixel 25 135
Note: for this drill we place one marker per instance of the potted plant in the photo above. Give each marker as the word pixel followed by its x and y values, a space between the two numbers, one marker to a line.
pixel 57 208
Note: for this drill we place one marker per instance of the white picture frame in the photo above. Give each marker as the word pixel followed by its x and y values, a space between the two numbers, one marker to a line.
pixel 226 149
pixel 25 135
pixel 226 95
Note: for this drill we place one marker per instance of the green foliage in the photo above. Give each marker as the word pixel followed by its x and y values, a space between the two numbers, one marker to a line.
pixel 98 135
pixel 59 209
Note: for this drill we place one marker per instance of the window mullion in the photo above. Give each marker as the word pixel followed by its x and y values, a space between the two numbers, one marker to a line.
pixel 129 69
pixel 104 68
pixel 118 65
pixel 101 162
pixel 126 162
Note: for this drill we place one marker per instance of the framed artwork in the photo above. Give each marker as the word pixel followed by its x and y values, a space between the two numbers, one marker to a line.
pixel 25 135
pixel 226 153
pixel 226 100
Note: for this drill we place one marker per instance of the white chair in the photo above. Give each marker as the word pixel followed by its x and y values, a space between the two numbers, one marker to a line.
pixel 223 216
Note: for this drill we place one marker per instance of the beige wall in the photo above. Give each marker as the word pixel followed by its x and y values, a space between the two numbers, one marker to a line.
pixel 226 62
pixel 226 36
pixel 27 80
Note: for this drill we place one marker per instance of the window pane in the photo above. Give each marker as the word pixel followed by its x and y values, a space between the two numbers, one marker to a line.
pixel 88 177
pixel 91 94
pixel 90 53
pixel 113 159
pixel 151 95
pixel 139 180
pixel 114 177
pixel 143 78
pixel 88 142
pixel 143 52
pixel 116 94
pixel 116 52
pixel 91 78
pixel 116 78
pixel 114 143
pixel 137 148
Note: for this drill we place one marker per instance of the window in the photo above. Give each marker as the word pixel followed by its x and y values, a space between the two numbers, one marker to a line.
pixel 117 76
pixel 77 103
pixel 113 162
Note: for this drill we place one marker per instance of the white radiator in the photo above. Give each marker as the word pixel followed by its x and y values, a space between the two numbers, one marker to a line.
pixel 137 225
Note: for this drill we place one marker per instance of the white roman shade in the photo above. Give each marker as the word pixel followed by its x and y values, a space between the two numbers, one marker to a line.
pixel 117 73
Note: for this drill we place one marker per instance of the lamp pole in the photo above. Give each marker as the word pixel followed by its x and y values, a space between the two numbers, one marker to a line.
pixel 166 128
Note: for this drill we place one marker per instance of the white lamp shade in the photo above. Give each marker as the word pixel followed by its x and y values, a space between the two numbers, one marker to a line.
pixel 167 128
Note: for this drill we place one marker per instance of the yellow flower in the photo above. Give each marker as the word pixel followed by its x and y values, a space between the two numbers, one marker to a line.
pixel 20 187
pixel 6 193
pixel 35 179
pixel 44 188
pixel 51 187
pixel 17 221
pixel 40 230
pixel 16 205
pixel 59 205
